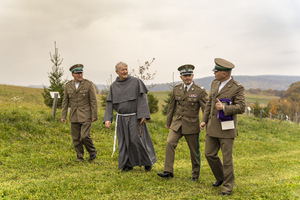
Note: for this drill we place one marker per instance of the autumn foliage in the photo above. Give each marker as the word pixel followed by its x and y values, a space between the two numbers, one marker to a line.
pixel 289 104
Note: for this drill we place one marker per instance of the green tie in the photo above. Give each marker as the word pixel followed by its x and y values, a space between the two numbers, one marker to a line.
pixel 185 89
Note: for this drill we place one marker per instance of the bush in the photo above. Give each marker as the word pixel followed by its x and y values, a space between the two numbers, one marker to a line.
pixel 166 104
pixel 153 103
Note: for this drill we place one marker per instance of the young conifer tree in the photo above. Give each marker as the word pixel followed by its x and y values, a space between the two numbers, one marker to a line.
pixel 55 79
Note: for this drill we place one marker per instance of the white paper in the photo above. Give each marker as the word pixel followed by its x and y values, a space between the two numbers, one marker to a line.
pixel 227 125
pixel 52 94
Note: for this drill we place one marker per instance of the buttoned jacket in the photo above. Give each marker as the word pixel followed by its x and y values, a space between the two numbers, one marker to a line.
pixel 234 91
pixel 82 102
pixel 186 108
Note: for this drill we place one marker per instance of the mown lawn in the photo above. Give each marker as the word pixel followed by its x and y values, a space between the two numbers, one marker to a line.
pixel 37 160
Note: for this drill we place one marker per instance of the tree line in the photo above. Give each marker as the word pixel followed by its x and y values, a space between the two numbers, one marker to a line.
pixel 268 92
pixel 286 107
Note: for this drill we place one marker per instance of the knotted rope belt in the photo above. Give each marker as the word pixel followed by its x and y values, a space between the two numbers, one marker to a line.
pixel 115 137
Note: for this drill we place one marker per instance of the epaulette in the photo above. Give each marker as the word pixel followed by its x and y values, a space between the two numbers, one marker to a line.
pixel 88 80
pixel 178 84
pixel 199 86
pixel 237 83
pixel 69 82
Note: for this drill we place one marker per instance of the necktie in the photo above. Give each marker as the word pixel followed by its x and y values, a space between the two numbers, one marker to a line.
pixel 185 89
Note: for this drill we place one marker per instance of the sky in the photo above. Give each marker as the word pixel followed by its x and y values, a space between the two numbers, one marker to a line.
pixel 260 37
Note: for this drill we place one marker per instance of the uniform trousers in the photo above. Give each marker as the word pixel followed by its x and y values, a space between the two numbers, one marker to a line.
pixel 81 137
pixel 193 143
pixel 222 172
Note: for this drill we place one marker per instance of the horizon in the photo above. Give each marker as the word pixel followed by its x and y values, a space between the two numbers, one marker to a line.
pixel 99 84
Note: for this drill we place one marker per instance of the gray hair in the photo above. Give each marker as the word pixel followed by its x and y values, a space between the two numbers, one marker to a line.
pixel 119 64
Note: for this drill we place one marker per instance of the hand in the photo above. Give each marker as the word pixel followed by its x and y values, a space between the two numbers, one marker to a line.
pixel 167 127
pixel 143 120
pixel 107 124
pixel 219 105
pixel 94 119
pixel 202 125
pixel 63 121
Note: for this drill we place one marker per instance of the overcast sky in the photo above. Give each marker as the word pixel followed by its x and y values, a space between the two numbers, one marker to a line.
pixel 261 37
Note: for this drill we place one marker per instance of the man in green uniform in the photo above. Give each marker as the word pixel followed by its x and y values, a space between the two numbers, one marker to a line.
pixel 80 96
pixel 186 100
pixel 226 100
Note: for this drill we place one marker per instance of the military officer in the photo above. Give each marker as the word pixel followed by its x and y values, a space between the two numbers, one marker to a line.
pixel 80 96
pixel 187 99
pixel 224 87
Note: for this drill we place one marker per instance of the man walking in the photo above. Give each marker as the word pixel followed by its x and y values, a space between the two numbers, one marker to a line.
pixel 80 96
pixel 187 99
pixel 127 95
pixel 226 100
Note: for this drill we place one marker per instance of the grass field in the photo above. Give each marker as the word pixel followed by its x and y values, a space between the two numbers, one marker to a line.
pixel 37 159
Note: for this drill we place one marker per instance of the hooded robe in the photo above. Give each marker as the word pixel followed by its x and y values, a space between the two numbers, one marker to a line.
pixel 134 141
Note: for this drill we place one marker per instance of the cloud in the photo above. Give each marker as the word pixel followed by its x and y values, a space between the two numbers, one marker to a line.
pixel 260 37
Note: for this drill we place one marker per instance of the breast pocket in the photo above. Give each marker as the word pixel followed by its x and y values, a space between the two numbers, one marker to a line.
pixel 83 93
pixel 192 102
pixel 70 93
pixel 178 100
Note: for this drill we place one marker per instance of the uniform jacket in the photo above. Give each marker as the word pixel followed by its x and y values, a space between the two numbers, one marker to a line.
pixel 187 108
pixel 82 101
pixel 234 91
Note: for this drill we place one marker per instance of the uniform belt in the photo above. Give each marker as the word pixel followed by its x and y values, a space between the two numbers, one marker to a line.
pixel 115 137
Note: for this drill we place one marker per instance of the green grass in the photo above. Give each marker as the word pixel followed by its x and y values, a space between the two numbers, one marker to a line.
pixel 263 100
pixel 37 160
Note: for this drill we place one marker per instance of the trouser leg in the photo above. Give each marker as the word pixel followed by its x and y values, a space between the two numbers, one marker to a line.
pixel 193 143
pixel 86 138
pixel 212 146
pixel 75 132
pixel 227 148
pixel 172 142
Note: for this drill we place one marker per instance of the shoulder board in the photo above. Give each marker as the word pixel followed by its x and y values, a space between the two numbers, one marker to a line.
pixel 88 80
pixel 199 86
pixel 178 84
pixel 237 83
pixel 68 82
pixel 215 80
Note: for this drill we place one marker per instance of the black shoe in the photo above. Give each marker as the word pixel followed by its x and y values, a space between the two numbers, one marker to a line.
pixel 148 168
pixel 126 169
pixel 166 174
pixel 217 183
pixel 93 156
pixel 194 179
pixel 224 194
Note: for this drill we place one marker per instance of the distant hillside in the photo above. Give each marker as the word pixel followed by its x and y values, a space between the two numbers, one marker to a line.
pixel 263 82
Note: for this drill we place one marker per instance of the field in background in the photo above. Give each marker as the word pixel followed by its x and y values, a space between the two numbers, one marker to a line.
pixel 263 100
pixel 37 158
